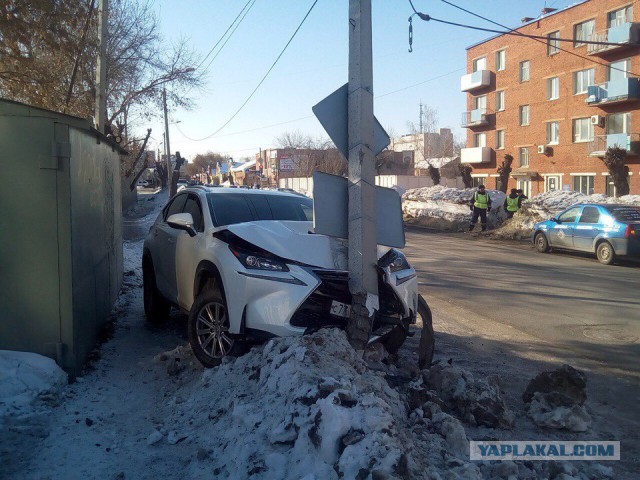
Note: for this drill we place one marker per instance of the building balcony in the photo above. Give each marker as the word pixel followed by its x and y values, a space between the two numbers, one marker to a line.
pixel 629 141
pixel 624 35
pixel 476 155
pixel 475 118
pixel 615 91
pixel 476 80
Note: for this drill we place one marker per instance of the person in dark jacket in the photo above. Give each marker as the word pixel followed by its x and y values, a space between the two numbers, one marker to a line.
pixel 523 197
pixel 512 203
pixel 480 205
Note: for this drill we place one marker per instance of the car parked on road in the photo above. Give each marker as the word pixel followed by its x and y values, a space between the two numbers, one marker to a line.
pixel 246 266
pixel 608 230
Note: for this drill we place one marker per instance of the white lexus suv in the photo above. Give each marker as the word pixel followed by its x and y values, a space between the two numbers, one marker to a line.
pixel 246 266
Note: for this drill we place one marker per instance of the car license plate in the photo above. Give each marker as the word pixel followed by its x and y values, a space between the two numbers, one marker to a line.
pixel 340 309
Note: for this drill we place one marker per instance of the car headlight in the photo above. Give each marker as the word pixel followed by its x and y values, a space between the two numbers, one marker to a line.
pixel 254 261
pixel 395 260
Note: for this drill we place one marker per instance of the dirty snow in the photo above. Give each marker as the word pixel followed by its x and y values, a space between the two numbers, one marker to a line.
pixel 447 208
pixel 25 379
pixel 547 205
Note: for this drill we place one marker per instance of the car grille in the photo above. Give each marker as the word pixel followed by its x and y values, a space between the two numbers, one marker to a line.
pixel 334 285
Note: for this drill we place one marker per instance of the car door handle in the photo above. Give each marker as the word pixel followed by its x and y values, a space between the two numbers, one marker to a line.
pixel 171 240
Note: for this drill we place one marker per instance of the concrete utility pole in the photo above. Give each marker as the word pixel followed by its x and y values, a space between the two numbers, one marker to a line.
pixel 100 115
pixel 167 148
pixel 363 277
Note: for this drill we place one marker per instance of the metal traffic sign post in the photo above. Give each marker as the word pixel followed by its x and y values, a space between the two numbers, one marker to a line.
pixel 353 108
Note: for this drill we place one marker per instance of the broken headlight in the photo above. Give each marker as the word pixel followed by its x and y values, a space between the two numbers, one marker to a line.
pixel 254 261
pixel 395 260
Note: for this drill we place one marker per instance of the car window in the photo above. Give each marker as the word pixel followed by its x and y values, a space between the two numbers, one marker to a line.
pixel 192 206
pixel 231 208
pixel 570 215
pixel 176 206
pixel 624 213
pixel 590 215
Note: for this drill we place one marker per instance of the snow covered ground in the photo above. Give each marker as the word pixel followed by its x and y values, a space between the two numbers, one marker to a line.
pixel 446 208
pixel 294 408
pixel 548 205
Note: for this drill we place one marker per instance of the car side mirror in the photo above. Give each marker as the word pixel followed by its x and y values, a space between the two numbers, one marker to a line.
pixel 182 221
pixel 555 220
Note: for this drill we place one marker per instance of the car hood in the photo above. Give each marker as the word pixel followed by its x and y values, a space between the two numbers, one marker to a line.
pixel 295 241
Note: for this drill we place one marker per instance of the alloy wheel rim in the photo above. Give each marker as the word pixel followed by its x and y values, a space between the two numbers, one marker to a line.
pixel 540 242
pixel 605 252
pixel 212 330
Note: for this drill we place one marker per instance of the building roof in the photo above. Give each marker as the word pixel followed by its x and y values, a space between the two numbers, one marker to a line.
pixel 244 166
pixel 541 17
pixel 437 162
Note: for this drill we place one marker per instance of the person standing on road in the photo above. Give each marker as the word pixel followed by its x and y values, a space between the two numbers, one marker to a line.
pixel 512 203
pixel 480 205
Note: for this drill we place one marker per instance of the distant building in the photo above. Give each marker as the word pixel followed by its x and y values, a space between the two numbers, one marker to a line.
pixel 389 162
pixel 425 145
pixel 277 163
pixel 555 111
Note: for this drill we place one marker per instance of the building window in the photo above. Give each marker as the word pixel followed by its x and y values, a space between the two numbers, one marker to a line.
pixel 583 79
pixel 524 115
pixel 477 181
pixel 501 60
pixel 553 88
pixel 524 71
pixel 525 186
pixel 523 156
pixel 500 101
pixel 582 130
pixel 499 139
pixel 609 186
pixel 479 139
pixel 583 184
pixel 620 17
pixel 553 133
pixel 618 123
pixel 480 64
pixel 583 31
pixel 480 102
pixel 618 70
pixel 553 44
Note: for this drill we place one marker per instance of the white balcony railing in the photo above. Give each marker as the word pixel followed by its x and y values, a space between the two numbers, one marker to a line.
pixel 476 117
pixel 622 34
pixel 476 155
pixel 476 80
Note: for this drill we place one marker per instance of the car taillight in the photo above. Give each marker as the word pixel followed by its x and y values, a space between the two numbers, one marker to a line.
pixel 630 231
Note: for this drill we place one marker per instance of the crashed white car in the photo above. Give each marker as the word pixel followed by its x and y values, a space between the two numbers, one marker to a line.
pixel 246 266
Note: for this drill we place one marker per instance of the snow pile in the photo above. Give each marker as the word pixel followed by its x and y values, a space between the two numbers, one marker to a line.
pixel 447 208
pixel 547 205
pixel 26 378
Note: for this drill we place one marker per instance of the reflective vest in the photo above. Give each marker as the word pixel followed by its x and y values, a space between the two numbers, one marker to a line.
pixel 512 204
pixel 481 200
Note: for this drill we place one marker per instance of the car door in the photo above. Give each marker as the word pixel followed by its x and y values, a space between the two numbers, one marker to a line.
pixel 561 233
pixel 188 252
pixel 164 261
pixel 587 228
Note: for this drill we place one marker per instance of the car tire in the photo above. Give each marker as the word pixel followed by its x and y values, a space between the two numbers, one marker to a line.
pixel 427 345
pixel 541 242
pixel 156 308
pixel 208 330
pixel 605 253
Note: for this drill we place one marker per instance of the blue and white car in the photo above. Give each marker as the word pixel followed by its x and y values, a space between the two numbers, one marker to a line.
pixel 608 230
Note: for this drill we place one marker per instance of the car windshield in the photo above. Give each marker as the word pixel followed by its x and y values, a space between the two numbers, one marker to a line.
pixel 231 208
pixel 624 213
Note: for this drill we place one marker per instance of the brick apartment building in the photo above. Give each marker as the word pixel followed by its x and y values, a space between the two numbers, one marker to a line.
pixel 554 112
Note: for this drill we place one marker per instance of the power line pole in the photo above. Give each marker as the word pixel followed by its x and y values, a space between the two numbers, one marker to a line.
pixel 421 126
pixel 167 148
pixel 100 115
pixel 363 276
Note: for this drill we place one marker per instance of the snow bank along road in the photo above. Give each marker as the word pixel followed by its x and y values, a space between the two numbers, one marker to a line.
pixel 297 408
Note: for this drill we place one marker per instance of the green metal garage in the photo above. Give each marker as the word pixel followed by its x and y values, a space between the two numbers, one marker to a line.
pixel 60 233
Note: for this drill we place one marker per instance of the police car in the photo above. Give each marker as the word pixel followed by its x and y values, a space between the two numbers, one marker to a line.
pixel 608 230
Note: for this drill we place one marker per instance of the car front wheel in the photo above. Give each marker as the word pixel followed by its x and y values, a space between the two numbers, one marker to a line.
pixel 541 242
pixel 208 330
pixel 605 253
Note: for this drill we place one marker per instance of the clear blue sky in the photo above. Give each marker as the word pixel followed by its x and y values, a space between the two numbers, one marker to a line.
pixel 315 64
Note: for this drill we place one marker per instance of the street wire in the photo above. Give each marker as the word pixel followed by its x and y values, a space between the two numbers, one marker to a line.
pixel 535 39
pixel 311 116
pixel 225 33
pixel 261 81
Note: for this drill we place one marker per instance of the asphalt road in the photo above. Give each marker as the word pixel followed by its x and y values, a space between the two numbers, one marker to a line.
pixel 589 313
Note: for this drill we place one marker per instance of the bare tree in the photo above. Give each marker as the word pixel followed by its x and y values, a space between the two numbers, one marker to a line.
pixel 465 173
pixel 310 154
pixel 615 159
pixel 434 173
pixel 504 171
